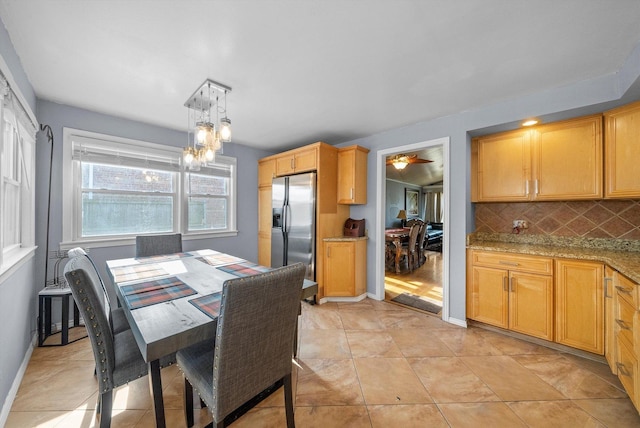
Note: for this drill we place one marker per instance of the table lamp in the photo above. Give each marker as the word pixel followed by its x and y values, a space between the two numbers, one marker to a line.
pixel 402 215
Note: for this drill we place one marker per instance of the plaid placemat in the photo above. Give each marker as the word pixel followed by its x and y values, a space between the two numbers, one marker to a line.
pixel 157 291
pixel 131 273
pixel 163 257
pixel 209 304
pixel 219 259
pixel 244 269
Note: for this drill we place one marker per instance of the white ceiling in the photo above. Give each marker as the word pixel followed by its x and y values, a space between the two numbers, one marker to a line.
pixel 303 71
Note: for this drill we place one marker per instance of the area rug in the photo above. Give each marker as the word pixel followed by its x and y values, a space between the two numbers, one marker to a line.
pixel 416 302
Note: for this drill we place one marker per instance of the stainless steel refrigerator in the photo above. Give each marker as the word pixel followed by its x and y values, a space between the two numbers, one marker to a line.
pixel 293 232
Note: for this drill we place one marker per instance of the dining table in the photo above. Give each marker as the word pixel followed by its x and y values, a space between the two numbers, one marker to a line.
pixel 172 301
pixel 394 239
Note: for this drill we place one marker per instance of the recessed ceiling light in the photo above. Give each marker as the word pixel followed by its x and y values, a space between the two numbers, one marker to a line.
pixel 530 122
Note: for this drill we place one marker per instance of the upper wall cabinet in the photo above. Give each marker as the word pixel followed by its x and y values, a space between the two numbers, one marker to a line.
pixel 558 161
pixel 622 141
pixel 296 161
pixel 352 175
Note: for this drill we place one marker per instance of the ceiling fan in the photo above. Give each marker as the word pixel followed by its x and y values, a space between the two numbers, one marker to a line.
pixel 401 161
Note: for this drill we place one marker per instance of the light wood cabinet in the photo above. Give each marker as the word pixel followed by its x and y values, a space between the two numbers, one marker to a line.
pixel 297 161
pixel 352 175
pixel 580 305
pixel 512 291
pixel 330 216
pixel 345 271
pixel 610 281
pixel 558 161
pixel 622 151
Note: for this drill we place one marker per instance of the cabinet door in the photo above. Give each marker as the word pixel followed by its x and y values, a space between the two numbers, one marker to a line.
pixel 352 175
pixel 531 304
pixel 609 317
pixel 285 165
pixel 266 172
pixel 501 167
pixel 580 305
pixel 489 296
pixel 339 269
pixel 567 160
pixel 305 161
pixel 622 151
pixel 264 226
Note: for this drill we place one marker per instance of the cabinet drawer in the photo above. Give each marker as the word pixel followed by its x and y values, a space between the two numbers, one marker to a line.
pixel 514 262
pixel 628 290
pixel 627 367
pixel 624 319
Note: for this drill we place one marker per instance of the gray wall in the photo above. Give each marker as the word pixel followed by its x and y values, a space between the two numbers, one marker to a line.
pixel 585 97
pixel 395 201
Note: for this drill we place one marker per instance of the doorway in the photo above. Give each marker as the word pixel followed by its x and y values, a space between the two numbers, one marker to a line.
pixel 432 277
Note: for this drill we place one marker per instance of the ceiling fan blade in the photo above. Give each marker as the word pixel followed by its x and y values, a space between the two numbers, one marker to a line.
pixel 418 160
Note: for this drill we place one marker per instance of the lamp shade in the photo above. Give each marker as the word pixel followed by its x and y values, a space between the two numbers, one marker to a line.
pixel 402 215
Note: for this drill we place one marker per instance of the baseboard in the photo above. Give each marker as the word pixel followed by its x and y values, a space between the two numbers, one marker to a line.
pixel 343 299
pixel 455 321
pixel 13 391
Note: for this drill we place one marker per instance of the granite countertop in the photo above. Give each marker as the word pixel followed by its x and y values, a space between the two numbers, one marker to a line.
pixel 621 255
pixel 346 238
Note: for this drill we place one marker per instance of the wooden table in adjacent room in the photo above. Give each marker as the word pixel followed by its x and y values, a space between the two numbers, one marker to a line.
pixel 396 237
pixel 172 302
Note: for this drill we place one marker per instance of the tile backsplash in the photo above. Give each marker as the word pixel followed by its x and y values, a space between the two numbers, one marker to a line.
pixel 590 219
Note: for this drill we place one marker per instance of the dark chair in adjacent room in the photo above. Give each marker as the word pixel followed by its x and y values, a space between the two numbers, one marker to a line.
pixel 409 250
pixel 253 346
pixel 118 359
pixel 421 243
pixel 154 245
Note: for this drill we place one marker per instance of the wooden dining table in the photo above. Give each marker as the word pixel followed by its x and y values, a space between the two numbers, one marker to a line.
pixel 172 301
pixel 396 237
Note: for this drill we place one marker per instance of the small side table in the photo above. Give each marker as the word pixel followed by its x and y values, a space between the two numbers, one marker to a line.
pixel 45 297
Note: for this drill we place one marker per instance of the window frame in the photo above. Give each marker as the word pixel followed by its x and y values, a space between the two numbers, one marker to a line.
pixel 72 200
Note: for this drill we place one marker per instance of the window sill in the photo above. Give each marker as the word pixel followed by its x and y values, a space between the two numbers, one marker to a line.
pixel 131 240
pixel 15 261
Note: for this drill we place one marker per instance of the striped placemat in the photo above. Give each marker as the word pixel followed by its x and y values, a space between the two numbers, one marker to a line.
pixel 163 257
pixel 134 272
pixel 156 291
pixel 219 259
pixel 209 304
pixel 244 269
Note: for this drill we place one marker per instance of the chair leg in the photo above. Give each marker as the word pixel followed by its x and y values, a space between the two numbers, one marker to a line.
pixel 188 403
pixel 106 402
pixel 288 401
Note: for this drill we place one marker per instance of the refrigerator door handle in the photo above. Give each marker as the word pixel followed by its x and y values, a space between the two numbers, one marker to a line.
pixel 287 225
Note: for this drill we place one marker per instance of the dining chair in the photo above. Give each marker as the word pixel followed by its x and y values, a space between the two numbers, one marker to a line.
pixel 118 359
pixel 253 346
pixel 409 250
pixel 421 243
pixel 115 315
pixel 153 245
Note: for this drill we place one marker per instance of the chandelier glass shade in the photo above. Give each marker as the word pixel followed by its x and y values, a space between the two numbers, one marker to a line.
pixel 204 107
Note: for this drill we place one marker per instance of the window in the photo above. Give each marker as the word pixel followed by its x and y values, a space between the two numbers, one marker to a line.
pixel 123 188
pixel 17 193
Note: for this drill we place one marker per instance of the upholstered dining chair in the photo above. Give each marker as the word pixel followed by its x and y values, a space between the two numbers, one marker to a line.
pixel 253 345
pixel 421 243
pixel 153 245
pixel 115 315
pixel 118 359
pixel 409 250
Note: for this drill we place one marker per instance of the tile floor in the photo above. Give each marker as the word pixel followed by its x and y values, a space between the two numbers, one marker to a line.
pixel 366 364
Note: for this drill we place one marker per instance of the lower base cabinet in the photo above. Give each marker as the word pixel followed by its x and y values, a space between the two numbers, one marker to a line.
pixel 345 262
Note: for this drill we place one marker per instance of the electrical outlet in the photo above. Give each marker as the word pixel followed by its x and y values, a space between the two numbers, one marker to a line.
pixel 520 224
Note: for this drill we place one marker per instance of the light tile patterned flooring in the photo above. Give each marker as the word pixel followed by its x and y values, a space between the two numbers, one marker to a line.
pixel 366 364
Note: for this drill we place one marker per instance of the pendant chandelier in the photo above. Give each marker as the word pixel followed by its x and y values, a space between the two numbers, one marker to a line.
pixel 204 109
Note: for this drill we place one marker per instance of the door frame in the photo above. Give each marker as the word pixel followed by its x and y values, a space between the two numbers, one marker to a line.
pixel 381 174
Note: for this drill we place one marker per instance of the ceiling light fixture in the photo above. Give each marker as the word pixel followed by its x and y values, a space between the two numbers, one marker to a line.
pixel 400 162
pixel 530 122
pixel 203 108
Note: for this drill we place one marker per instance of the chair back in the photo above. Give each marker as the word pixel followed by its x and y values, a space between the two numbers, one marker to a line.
pixel 421 235
pixel 254 337
pixel 154 245
pixel 413 236
pixel 84 290
pixel 83 261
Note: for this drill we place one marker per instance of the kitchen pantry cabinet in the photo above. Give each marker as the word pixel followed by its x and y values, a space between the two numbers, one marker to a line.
pixel 557 161
pixel 511 291
pixel 352 175
pixel 580 304
pixel 266 172
pixel 622 151
pixel 345 267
